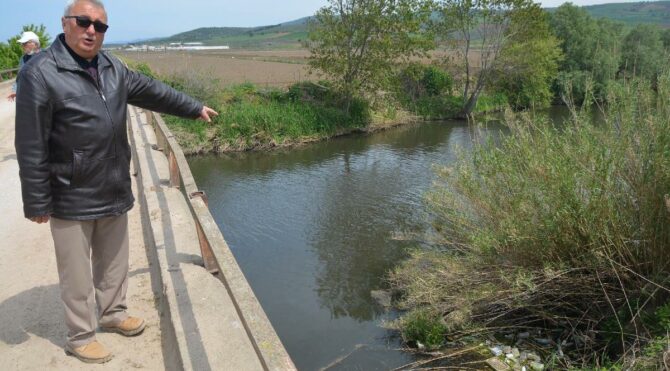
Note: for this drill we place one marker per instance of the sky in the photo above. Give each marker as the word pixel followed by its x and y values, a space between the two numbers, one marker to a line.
pixel 143 19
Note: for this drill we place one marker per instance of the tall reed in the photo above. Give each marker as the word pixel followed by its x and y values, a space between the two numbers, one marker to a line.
pixel 556 226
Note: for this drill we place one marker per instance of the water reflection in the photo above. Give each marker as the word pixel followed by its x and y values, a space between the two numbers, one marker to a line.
pixel 312 230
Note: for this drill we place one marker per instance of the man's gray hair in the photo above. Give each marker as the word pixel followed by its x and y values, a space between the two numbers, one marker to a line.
pixel 70 4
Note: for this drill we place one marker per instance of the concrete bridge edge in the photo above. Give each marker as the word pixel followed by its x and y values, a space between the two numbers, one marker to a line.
pixel 173 344
pixel 178 335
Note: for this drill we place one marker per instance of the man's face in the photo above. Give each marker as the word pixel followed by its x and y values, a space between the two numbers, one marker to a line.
pixel 84 41
pixel 29 47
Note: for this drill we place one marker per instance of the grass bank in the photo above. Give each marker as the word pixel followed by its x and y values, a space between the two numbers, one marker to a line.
pixel 554 237
pixel 256 118
pixel 251 118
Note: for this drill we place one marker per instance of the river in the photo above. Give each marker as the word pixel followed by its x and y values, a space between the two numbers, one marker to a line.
pixel 315 229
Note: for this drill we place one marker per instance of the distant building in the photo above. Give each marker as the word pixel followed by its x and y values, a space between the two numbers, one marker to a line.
pixel 176 46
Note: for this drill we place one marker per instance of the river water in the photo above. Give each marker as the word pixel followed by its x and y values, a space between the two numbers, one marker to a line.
pixel 315 229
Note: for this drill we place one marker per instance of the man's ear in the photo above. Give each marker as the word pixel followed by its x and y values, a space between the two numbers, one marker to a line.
pixel 62 22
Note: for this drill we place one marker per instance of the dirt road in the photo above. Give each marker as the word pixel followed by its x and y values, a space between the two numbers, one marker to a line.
pixel 32 331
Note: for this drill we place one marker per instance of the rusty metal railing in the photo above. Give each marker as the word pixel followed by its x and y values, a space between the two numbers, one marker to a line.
pixel 217 257
pixel 8 74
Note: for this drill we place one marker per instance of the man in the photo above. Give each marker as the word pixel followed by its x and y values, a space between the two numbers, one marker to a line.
pixel 74 159
pixel 30 43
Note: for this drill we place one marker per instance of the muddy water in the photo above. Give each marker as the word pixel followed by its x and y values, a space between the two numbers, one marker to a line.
pixel 315 230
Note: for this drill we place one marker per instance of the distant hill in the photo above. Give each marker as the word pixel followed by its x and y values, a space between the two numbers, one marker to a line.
pixel 656 12
pixel 285 35
pixel 290 34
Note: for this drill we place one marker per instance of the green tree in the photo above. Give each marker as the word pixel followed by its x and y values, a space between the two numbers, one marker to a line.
pixel 591 49
pixel 576 28
pixel 484 24
pixel 11 51
pixel 7 57
pixel 529 64
pixel 643 52
pixel 357 43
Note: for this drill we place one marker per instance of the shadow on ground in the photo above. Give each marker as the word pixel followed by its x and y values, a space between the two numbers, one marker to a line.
pixel 37 311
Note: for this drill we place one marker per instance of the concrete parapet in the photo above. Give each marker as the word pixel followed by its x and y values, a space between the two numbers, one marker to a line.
pixel 215 326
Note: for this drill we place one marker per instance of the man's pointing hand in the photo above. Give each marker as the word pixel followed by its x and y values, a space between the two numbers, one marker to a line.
pixel 207 113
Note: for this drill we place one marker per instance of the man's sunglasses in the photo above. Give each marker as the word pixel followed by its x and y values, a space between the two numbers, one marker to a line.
pixel 86 22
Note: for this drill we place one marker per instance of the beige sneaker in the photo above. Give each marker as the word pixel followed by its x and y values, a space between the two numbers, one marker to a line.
pixel 131 326
pixel 92 352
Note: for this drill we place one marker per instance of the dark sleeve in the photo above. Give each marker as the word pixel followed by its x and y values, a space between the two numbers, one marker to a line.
pixel 156 96
pixel 33 126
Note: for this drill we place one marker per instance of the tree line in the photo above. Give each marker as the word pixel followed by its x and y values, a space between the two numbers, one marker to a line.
pixel 512 48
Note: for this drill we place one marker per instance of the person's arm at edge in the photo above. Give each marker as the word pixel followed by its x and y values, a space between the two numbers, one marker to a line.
pixel 33 124
pixel 12 96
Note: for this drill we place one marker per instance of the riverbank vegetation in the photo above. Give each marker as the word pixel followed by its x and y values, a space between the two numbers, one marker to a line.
pixel 252 117
pixel 373 58
pixel 375 75
pixel 554 236
pixel 257 118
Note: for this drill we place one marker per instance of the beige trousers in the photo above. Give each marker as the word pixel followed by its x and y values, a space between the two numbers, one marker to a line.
pixel 92 259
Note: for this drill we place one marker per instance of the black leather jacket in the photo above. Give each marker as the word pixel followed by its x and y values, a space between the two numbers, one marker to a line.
pixel 71 137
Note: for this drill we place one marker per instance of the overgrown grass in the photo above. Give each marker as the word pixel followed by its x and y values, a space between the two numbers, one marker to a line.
pixel 423 328
pixel 494 102
pixel 562 230
pixel 252 118
pixel 435 107
pixel 255 118
pixel 427 91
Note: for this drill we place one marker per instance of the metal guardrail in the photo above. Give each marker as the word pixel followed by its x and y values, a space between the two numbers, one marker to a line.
pixel 217 256
pixel 8 74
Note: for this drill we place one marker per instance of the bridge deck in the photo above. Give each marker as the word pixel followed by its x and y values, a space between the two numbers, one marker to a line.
pixel 32 331
pixel 194 322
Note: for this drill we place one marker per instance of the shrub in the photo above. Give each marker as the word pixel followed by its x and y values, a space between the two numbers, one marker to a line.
pixel 423 327
pixel 144 69
pixel 426 91
pixel 437 81
pixel 491 102
pixel 417 81
pixel 556 227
